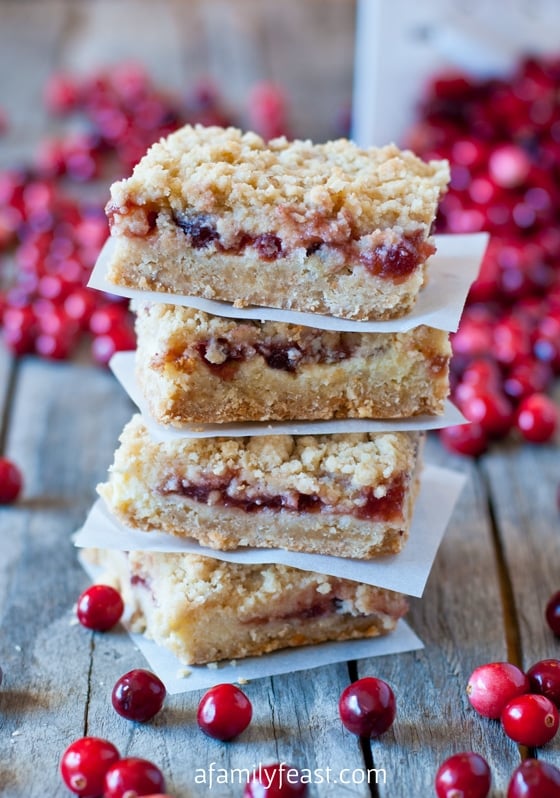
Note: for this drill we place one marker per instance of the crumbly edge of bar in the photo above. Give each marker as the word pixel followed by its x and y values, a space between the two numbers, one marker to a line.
pixel 228 528
pixel 300 282
pixel 386 376
pixel 255 186
pixel 177 599
pixel 329 466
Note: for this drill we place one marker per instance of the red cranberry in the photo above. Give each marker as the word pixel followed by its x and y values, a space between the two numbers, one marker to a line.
pixel 224 712
pixel 100 607
pixel 509 165
pixel 493 685
pixel 367 707
pixel 138 695
pixel 552 612
pixel 80 305
pixel 530 720
pixel 84 764
pixel 544 677
pixel 267 111
pixel 537 418
pixel 53 347
pixel 469 439
pixel 120 339
pixel 107 318
pixel 534 779
pixel 61 94
pixel 133 777
pixel 11 481
pixel 527 377
pixel 492 411
pixel 275 781
pixel 465 775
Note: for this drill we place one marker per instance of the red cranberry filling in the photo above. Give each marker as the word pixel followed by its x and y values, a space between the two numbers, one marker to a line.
pixel 394 259
pixel 397 260
pixel 281 354
pixel 367 507
pixel 318 609
pixel 198 227
pixel 268 246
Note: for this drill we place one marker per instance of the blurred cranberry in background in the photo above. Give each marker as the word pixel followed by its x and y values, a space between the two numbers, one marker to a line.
pixel 49 240
pixel 502 138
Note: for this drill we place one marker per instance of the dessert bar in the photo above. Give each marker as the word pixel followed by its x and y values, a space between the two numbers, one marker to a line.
pixel 195 367
pixel 328 228
pixel 205 610
pixel 347 495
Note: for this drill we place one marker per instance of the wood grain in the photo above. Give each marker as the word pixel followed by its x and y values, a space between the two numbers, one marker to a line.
pixel 459 632
pixel 498 563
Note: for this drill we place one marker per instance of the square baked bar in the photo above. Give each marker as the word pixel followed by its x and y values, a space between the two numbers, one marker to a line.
pixel 328 228
pixel 205 610
pixel 193 367
pixel 348 495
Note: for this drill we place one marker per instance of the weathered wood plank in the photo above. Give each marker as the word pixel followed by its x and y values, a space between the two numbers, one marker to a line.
pixel 461 623
pixel 30 33
pixel 305 48
pixel 63 428
pixel 523 483
pixel 108 32
pixel 6 366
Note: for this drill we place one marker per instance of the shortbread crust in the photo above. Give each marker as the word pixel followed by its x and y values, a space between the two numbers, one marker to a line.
pixel 195 367
pixel 328 228
pixel 348 495
pixel 205 610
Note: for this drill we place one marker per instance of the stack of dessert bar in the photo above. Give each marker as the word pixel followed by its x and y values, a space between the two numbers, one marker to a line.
pixel 331 231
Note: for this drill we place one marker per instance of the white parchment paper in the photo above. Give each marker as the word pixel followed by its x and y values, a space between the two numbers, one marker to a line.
pixel 452 270
pixel 406 572
pixel 179 678
pixel 122 366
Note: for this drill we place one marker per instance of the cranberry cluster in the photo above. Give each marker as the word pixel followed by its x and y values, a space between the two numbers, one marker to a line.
pixel 527 705
pixel 502 138
pixel 49 240
pixel 91 767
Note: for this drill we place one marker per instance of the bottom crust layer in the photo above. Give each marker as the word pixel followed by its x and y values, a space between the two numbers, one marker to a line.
pixel 206 610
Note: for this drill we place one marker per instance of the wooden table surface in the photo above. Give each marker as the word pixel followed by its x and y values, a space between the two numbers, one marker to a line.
pixel 496 568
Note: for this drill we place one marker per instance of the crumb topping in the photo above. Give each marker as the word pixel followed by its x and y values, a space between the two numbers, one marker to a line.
pixel 334 468
pixel 334 191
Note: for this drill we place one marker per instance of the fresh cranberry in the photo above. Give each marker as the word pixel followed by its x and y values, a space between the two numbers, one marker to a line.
pixel 267 111
pixel 544 677
pixel 84 764
pixel 468 439
pixel 11 481
pixel 552 611
pixel 278 780
pixel 224 712
pixel 53 347
pixel 367 707
pixel 107 318
pixel 80 305
pixel 493 685
pixel 61 94
pixel 537 418
pixel 464 775
pixel 132 777
pixel 509 166
pixel 100 607
pixel 492 411
pixel 534 779
pixel 530 720
pixel 120 339
pixel 527 377
pixel 138 695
